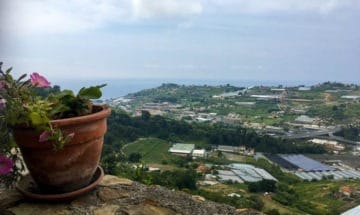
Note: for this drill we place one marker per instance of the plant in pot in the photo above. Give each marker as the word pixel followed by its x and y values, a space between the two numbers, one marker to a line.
pixel 57 134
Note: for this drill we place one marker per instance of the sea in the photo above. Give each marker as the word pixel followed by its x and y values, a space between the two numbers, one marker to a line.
pixel 121 87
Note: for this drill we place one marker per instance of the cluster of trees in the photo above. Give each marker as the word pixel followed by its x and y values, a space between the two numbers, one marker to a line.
pixel 175 93
pixel 122 128
pixel 262 186
pixel 334 85
pixel 331 113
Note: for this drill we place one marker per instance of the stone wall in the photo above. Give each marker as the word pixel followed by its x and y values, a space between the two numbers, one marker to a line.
pixel 119 196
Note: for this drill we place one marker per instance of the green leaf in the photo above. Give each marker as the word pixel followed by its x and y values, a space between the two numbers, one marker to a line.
pixel 65 93
pixel 58 109
pixel 90 92
pixel 36 119
pixel 20 78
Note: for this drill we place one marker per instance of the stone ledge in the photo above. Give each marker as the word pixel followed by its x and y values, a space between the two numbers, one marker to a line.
pixel 119 196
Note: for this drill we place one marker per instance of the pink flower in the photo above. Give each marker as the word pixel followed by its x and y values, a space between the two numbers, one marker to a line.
pixel 38 80
pixel 6 165
pixel 2 85
pixel 43 136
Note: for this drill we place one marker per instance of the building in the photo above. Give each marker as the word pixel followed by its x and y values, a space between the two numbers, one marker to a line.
pixel 304 88
pixel 353 97
pixel 241 173
pixel 199 153
pixel 277 89
pixel 246 104
pixel 226 175
pixel 182 149
pixel 353 211
pixel 201 119
pixel 234 195
pixel 266 97
pixel 250 173
pixel 274 129
pixel 332 144
pixel 233 149
pixel 304 119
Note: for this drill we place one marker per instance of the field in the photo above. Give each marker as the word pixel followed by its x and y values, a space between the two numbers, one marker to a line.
pixel 241 189
pixel 152 150
pixel 234 157
pixel 325 196
pixel 271 204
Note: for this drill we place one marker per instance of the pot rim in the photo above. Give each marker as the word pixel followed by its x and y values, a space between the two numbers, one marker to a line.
pixel 104 113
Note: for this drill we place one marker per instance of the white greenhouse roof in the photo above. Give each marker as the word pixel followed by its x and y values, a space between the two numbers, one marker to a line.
pixel 353 211
pixel 182 148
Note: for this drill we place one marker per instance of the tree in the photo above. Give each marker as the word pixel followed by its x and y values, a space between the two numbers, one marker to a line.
pixel 135 157
pixel 262 186
pixel 273 211
pixel 145 115
pixel 256 202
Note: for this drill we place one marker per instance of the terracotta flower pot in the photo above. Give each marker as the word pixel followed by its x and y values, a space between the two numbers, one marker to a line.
pixel 72 167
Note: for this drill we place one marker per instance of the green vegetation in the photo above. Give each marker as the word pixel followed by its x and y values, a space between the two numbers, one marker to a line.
pixel 262 186
pixel 145 140
pixel 350 133
pixel 152 150
pixel 323 100
pixel 324 196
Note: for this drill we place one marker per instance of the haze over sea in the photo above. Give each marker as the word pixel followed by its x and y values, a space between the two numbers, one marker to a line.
pixel 122 87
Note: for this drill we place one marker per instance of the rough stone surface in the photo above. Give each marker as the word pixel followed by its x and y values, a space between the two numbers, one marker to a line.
pixel 198 198
pixel 40 209
pixel 106 210
pixel 110 180
pixel 9 199
pixel 107 193
pixel 118 196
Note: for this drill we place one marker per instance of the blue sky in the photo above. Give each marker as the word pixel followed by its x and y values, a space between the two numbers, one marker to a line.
pixel 270 40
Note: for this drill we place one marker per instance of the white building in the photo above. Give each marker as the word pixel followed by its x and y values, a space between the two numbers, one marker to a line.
pixel 199 153
pixel 182 149
pixel 353 97
pixel 353 211
pixel 329 143
pixel 305 119
pixel 304 88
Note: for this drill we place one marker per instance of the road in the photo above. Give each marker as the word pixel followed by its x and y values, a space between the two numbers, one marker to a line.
pixel 317 133
pixel 311 134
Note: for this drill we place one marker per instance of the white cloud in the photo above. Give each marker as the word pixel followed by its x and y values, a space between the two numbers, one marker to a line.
pixel 53 16
pixel 64 16
pixel 265 6
pixel 166 8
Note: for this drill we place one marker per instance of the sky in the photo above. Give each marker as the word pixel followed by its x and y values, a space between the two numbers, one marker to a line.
pixel 266 40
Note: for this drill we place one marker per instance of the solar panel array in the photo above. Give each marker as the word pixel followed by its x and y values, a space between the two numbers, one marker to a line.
pixel 281 161
pixel 309 169
pixel 305 163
